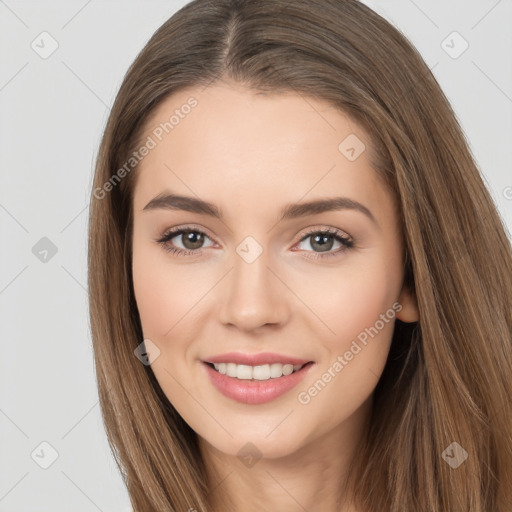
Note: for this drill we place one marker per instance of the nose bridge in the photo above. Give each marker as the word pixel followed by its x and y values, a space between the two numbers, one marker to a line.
pixel 254 295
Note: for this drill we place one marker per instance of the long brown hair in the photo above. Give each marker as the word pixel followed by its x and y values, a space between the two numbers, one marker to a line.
pixel 448 378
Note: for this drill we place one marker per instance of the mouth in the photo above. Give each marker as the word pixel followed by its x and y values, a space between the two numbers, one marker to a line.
pixel 253 385
pixel 262 372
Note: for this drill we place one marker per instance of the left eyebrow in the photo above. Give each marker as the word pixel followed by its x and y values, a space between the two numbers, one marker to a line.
pixel 293 211
pixel 171 201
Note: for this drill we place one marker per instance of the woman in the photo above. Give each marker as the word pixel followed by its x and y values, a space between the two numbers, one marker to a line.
pixel 300 288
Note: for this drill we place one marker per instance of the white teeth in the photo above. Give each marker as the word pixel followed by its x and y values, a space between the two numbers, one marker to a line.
pixel 243 372
pixel 231 369
pixel 276 370
pixel 287 369
pixel 261 372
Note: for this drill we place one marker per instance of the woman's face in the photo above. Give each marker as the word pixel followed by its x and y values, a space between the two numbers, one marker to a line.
pixel 257 277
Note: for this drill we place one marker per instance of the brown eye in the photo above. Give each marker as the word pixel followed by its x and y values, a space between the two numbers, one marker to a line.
pixel 184 241
pixel 192 239
pixel 323 240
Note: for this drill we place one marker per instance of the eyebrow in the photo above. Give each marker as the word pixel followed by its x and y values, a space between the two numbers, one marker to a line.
pixel 169 201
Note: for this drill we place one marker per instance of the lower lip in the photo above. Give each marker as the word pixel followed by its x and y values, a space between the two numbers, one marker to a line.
pixel 255 392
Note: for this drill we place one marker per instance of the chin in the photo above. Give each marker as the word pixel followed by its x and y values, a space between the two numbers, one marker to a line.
pixel 277 445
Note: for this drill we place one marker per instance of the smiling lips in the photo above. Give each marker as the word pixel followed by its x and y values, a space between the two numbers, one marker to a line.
pixel 255 378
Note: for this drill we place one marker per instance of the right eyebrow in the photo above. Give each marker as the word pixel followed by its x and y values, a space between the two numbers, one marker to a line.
pixel 186 203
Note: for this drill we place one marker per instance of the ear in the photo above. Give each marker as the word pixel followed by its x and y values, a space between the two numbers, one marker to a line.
pixel 409 312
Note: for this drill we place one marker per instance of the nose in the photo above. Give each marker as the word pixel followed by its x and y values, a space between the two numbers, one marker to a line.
pixel 254 295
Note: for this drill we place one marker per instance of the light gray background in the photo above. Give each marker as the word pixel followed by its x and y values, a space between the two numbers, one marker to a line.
pixel 52 114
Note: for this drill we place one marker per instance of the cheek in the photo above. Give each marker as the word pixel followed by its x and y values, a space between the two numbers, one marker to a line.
pixel 167 294
pixel 352 300
pixel 156 287
pixel 359 309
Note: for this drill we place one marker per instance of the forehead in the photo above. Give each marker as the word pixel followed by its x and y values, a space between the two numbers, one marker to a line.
pixel 226 142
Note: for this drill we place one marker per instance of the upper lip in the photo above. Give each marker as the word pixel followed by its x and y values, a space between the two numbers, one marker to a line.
pixel 255 359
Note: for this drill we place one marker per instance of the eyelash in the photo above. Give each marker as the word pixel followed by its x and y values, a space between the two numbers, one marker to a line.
pixel 169 235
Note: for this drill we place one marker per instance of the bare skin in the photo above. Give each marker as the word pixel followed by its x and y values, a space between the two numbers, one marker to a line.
pixel 251 154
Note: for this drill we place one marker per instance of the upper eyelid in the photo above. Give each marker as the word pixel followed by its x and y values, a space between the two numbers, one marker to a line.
pixel 178 230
